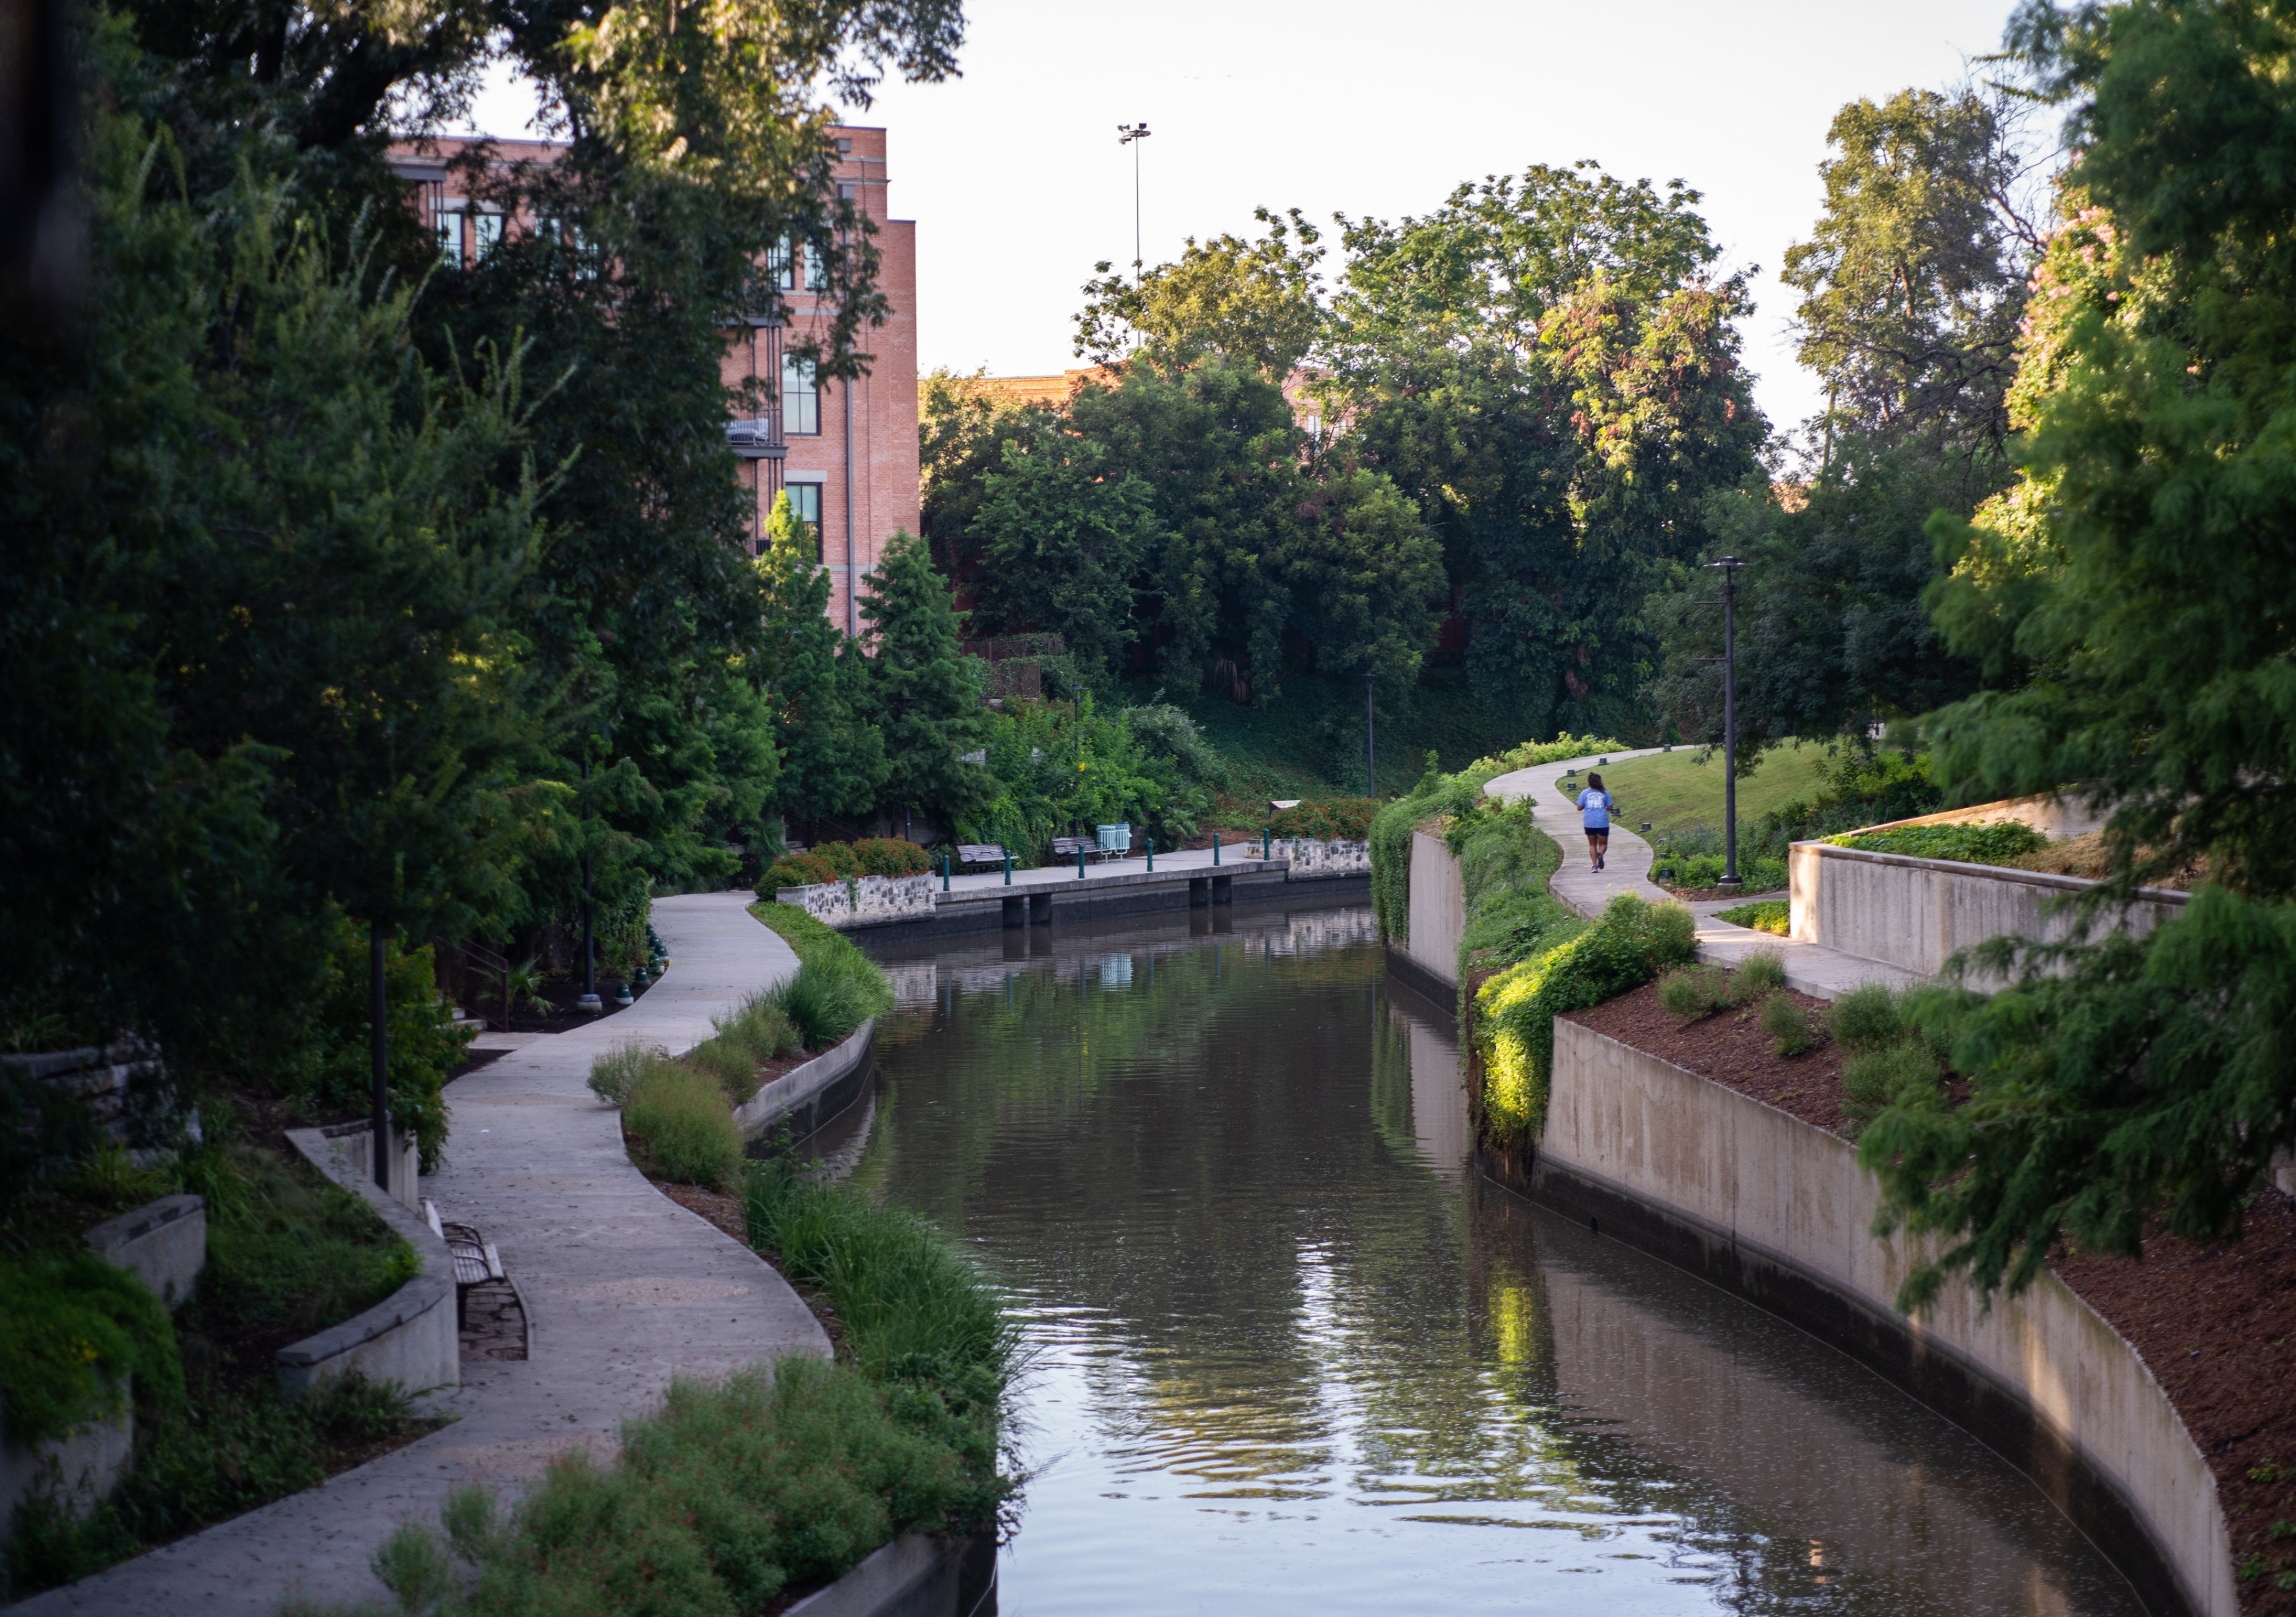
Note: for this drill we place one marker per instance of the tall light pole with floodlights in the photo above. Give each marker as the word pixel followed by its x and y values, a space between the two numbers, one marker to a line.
pixel 1132 135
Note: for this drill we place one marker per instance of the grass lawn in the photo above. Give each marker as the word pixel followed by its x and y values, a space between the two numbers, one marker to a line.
pixel 1674 791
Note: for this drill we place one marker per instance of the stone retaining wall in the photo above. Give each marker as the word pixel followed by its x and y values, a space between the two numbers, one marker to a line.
pixel 1916 913
pixel 866 900
pixel 1777 1211
pixel 411 1336
pixel 1311 858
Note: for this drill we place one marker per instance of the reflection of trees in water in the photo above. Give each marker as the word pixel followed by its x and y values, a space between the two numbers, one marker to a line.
pixel 1201 1170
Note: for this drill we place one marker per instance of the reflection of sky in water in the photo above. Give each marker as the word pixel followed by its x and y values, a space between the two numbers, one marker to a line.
pixel 1292 1356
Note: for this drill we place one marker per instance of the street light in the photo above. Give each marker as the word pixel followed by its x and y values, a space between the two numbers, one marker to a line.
pixel 1132 135
pixel 1729 566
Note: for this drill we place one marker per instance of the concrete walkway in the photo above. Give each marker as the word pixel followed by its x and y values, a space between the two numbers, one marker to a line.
pixel 1810 967
pixel 622 1287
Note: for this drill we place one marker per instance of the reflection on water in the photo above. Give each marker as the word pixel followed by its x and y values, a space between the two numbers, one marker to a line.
pixel 1293 1356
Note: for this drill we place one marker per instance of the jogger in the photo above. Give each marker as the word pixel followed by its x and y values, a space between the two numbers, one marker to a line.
pixel 1594 811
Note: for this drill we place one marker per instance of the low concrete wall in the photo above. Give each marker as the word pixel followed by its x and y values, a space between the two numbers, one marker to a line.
pixel 164 1244
pixel 411 1336
pixel 866 902
pixel 348 1149
pixel 1437 913
pixel 1916 913
pixel 79 1470
pixel 2055 818
pixel 914 1576
pixel 806 1097
pixel 1778 1211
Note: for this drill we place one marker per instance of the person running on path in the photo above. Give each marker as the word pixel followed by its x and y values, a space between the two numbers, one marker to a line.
pixel 1594 806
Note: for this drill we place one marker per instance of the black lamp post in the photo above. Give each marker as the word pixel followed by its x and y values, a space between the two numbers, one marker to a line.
pixel 380 1044
pixel 1729 566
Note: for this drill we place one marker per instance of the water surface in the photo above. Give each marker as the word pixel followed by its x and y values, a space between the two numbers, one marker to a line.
pixel 1292 1356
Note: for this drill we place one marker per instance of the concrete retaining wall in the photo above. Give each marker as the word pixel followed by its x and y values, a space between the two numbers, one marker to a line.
pixel 914 1576
pixel 164 1244
pixel 806 1097
pixel 411 1336
pixel 348 1149
pixel 1778 1211
pixel 866 900
pixel 1916 913
pixel 1437 913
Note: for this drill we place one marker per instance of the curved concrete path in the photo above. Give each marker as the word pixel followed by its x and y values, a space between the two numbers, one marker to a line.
pixel 622 1287
pixel 1810 967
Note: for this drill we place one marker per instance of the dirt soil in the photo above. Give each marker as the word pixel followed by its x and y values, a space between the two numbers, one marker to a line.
pixel 2216 1322
pixel 1730 1049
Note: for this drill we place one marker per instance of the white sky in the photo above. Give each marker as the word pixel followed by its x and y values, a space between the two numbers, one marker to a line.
pixel 1018 184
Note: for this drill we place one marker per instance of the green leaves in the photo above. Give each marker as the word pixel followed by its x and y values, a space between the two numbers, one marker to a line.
pixel 919 695
pixel 1253 303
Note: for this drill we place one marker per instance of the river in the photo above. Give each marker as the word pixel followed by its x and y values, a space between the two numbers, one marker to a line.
pixel 1292 1355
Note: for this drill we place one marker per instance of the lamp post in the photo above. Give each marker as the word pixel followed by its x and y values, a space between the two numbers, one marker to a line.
pixel 1132 135
pixel 1729 566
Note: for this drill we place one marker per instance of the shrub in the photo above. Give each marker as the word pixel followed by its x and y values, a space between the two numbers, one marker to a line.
pixel 615 1071
pixel 306 1254
pixel 780 1474
pixel 759 1030
pixel 795 870
pixel 1693 994
pixel 1877 1080
pixel 1763 972
pixel 1967 844
pixel 836 986
pixel 914 1306
pixel 681 1128
pixel 1327 819
pixel 73 1331
pixel 1866 1018
pixel 1628 945
pixel 1772 915
pixel 1790 1026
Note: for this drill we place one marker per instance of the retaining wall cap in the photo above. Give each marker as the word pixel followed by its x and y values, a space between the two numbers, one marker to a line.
pixel 883 1581
pixel 795 1087
pixel 142 1221
pixel 411 1301
pixel 402 1218
pixel 1996 873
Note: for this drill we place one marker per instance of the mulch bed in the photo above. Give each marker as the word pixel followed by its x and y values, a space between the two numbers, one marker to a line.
pixel 2215 1322
pixel 1730 1049
pixel 1700 895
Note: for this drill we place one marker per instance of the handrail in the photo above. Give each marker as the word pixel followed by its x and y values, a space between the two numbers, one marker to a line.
pixel 486 959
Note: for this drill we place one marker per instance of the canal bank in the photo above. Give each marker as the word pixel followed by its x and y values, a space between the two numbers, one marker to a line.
pixel 1777 1212
pixel 1294 1355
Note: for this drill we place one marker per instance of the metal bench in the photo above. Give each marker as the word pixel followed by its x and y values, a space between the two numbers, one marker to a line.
pixel 476 1261
pixel 980 853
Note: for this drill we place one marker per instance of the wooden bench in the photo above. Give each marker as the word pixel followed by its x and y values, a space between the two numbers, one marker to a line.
pixel 980 853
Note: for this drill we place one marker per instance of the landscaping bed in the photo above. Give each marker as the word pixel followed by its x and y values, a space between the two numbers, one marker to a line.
pixel 2216 1322
pixel 289 1253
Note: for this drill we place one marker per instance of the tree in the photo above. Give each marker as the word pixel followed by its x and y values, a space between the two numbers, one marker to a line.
pixel 963 424
pixel 833 759
pixel 1254 303
pixel 1832 634
pixel 2140 572
pixel 1914 283
pixel 921 698
pixel 1061 534
pixel 1540 365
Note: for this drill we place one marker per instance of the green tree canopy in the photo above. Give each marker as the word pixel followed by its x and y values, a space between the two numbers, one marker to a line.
pixel 1255 303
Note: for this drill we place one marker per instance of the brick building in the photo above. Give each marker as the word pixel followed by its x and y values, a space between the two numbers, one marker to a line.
pixel 847 453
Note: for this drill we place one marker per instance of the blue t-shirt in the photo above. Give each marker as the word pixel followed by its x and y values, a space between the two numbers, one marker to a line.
pixel 1597 809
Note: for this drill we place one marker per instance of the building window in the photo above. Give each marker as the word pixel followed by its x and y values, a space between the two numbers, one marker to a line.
pixel 450 238
pixel 805 506
pixel 800 397
pixel 790 269
pixel 847 190
pixel 487 228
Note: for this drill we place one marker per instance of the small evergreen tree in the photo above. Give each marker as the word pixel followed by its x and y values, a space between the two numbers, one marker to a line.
pixel 924 703
pixel 832 760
